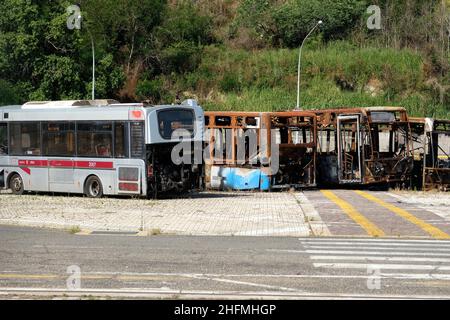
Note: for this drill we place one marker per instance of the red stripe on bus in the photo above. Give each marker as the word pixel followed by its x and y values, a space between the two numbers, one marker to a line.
pixel 128 186
pixel 27 170
pixel 94 164
pixel 33 163
pixel 67 164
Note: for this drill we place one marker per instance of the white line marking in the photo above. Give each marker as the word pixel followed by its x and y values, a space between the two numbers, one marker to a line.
pixel 391 253
pixel 157 291
pixel 380 266
pixel 416 276
pixel 252 284
pixel 431 241
pixel 394 244
pixel 401 259
pixel 363 252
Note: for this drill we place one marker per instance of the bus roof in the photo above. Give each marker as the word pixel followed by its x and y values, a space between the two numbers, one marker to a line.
pixel 78 110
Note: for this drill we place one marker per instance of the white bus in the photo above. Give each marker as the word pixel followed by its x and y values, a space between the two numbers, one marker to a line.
pixel 97 147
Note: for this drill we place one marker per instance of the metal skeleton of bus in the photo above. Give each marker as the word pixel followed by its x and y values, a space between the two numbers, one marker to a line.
pixel 363 146
pixel 431 153
pixel 96 147
pixel 285 138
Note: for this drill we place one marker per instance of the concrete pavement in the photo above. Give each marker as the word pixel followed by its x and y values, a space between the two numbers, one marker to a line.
pixel 207 213
pixel 35 263
pixel 378 214
pixel 319 213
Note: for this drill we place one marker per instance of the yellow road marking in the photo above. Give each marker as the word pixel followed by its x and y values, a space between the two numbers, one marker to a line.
pixel 365 223
pixel 428 228
pixel 84 233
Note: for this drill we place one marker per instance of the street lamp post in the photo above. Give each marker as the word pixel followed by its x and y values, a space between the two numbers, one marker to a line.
pixel 93 59
pixel 299 62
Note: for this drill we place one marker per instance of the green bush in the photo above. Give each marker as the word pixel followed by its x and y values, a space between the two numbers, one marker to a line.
pixel 180 57
pixel 185 23
pixel 110 78
pixel 58 78
pixel 8 94
pixel 230 82
pixel 151 90
pixel 295 18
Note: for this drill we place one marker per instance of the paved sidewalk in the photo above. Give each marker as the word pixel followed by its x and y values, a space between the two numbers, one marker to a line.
pixel 208 213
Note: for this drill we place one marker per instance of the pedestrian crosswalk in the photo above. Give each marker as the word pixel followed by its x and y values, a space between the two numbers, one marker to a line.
pixel 393 258
pixel 375 214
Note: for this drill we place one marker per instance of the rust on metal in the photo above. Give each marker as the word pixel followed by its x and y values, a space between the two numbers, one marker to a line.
pixel 293 133
pixel 431 153
pixel 364 146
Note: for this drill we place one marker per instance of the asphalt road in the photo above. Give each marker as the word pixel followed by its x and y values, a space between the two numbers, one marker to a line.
pixel 34 263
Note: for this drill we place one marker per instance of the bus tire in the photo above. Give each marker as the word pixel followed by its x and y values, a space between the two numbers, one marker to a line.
pixel 16 184
pixel 93 187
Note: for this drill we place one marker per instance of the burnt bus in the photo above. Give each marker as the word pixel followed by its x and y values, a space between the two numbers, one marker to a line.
pixel 431 138
pixel 260 150
pixel 364 146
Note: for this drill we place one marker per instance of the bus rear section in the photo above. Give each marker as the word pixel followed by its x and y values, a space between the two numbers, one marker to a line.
pixel 260 151
pixel 174 145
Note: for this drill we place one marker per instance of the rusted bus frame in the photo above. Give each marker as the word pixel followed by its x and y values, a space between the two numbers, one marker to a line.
pixel 299 114
pixel 418 135
pixel 310 123
pixel 329 117
pixel 265 123
pixel 404 120
pixel 211 125
pixel 433 176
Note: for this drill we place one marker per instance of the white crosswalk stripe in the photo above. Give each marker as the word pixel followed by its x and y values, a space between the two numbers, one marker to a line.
pixel 388 259
pixel 374 240
pixel 409 259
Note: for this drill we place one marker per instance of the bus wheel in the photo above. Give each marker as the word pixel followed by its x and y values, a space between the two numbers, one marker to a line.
pixel 94 188
pixel 16 185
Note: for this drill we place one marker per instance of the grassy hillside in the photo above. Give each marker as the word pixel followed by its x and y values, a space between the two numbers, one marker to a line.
pixel 333 75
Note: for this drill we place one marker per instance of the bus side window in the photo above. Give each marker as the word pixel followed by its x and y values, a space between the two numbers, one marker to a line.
pixel 121 140
pixel 94 139
pixel 58 139
pixel 25 139
pixel 3 139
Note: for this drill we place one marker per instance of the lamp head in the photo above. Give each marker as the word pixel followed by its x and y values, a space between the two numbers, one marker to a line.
pixel 320 22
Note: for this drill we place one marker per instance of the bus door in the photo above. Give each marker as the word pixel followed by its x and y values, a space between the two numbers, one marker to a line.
pixel 349 149
pixel 61 175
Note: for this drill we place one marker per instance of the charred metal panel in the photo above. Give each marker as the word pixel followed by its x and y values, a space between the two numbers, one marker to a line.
pixel 375 148
pixel 327 169
pixel 432 157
